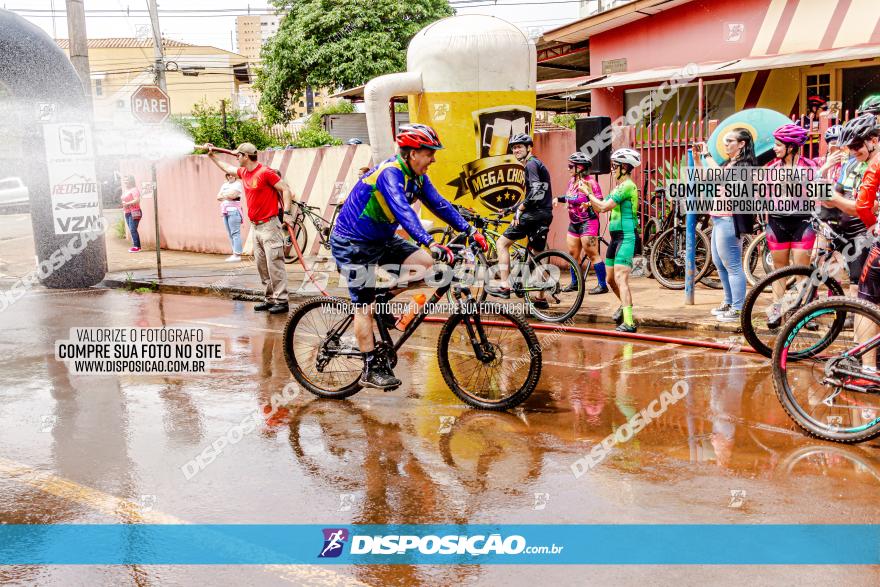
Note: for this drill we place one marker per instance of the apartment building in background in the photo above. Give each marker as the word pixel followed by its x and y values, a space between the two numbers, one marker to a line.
pixel 252 32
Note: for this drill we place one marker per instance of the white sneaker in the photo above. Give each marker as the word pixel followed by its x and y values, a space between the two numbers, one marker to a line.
pixel 774 315
pixel 233 259
pixel 730 315
pixel 720 309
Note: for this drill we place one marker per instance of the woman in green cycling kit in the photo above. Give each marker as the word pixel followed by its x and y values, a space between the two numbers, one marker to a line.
pixel 624 206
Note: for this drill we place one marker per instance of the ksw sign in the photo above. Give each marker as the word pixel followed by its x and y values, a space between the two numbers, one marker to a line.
pixel 150 105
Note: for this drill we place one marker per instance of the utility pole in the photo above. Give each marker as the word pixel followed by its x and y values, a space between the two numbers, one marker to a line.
pixel 226 139
pixel 158 51
pixel 159 70
pixel 79 44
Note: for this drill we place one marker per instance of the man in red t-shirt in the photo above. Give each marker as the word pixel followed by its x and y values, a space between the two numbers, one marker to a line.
pixel 261 189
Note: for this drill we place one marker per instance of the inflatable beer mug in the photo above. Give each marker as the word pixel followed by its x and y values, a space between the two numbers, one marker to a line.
pixel 472 78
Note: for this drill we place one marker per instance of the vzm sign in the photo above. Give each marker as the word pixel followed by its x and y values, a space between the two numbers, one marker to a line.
pixel 150 105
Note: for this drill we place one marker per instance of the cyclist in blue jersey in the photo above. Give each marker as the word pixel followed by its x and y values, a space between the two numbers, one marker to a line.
pixel 364 235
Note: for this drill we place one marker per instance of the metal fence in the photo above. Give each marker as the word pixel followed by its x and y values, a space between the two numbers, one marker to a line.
pixel 663 148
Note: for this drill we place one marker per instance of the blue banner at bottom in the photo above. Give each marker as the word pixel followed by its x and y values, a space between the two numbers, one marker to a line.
pixel 145 544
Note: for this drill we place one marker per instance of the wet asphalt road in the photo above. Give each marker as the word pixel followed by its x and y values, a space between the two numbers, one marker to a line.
pixel 76 449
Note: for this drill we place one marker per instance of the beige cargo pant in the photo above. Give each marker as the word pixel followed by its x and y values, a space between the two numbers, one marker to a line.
pixel 269 258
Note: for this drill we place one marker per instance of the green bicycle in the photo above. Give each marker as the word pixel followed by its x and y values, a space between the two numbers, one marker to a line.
pixel 552 276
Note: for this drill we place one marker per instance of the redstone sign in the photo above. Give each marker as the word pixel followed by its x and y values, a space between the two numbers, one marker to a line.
pixel 150 104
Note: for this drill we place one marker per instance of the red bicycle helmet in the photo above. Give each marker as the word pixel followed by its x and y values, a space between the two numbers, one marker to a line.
pixel 816 101
pixel 418 136
pixel 791 134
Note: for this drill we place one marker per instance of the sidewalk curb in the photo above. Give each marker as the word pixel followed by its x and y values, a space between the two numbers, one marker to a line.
pixel 252 295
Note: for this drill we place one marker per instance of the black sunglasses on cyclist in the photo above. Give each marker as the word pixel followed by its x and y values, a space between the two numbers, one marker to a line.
pixel 571 166
pixel 856 145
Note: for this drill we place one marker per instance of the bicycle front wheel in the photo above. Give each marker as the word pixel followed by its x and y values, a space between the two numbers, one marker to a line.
pixel 295 232
pixel 320 347
pixel 829 393
pixel 668 257
pixel 762 313
pixel 503 370
pixel 553 285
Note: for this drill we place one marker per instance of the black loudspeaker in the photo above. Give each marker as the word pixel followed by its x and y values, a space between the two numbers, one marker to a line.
pixel 593 136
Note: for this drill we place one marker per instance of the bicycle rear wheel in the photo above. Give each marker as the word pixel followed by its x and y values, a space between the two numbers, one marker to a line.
pixel 827 391
pixel 762 314
pixel 509 367
pixel 555 277
pixel 757 260
pixel 296 232
pixel 668 257
pixel 322 358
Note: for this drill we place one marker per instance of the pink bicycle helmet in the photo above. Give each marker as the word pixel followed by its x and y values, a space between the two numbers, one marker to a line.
pixel 791 134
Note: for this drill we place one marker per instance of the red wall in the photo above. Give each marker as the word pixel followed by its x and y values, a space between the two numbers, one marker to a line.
pixel 694 32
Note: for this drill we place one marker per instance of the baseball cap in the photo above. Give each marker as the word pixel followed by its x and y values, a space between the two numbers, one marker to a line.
pixel 246 149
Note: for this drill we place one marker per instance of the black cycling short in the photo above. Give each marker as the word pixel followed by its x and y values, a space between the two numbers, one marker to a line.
pixel 357 262
pixel 855 253
pixel 790 232
pixel 869 283
pixel 534 225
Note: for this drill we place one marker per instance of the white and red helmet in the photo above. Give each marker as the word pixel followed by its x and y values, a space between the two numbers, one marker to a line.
pixel 418 136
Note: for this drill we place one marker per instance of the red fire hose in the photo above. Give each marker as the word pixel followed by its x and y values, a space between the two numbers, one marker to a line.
pixel 614 334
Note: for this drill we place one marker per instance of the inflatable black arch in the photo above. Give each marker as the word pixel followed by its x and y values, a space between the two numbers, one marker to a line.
pixel 34 71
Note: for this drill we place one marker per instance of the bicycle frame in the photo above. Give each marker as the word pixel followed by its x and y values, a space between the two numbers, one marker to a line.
pixel 472 319
pixel 306 211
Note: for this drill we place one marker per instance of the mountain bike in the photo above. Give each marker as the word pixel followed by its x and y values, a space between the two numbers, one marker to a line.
pixel 757 259
pixel 819 371
pixel 782 292
pixel 296 229
pixel 488 356
pixel 551 275
pixel 667 252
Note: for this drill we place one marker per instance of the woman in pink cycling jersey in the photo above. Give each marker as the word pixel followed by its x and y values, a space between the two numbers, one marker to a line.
pixel 583 225
pixel 790 237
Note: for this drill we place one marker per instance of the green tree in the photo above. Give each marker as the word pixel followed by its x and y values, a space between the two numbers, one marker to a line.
pixel 566 120
pixel 313 133
pixel 206 126
pixel 336 44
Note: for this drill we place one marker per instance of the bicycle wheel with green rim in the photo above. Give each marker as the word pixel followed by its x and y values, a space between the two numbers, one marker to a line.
pixel 827 391
pixel 313 345
pixel 508 367
pixel 668 257
pixel 294 232
pixel 762 314
pixel 554 277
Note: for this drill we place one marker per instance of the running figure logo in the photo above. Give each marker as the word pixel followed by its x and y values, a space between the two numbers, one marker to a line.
pixel 334 539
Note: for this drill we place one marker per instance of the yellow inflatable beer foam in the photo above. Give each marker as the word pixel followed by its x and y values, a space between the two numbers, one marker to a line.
pixel 478 90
